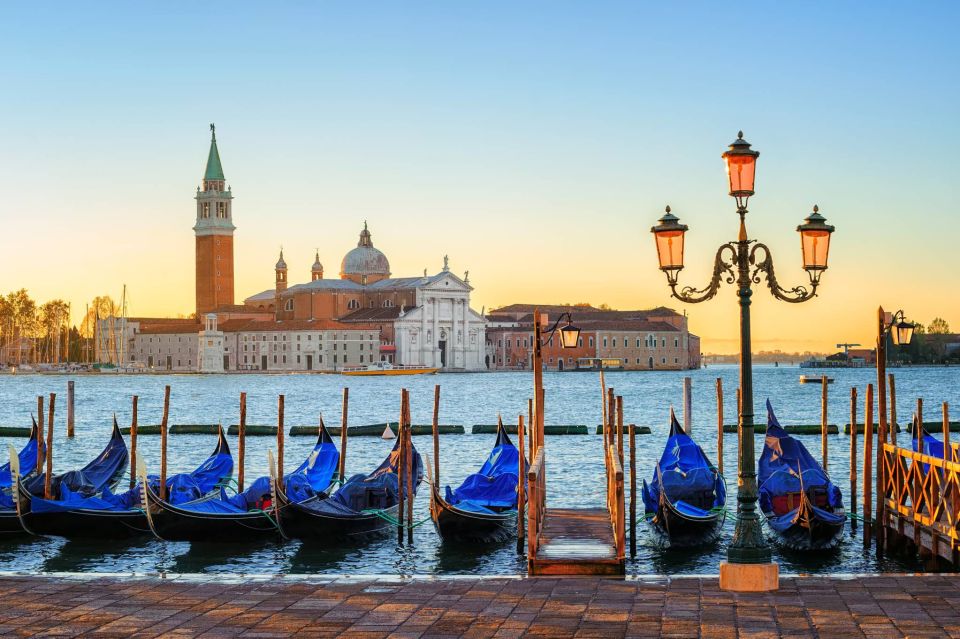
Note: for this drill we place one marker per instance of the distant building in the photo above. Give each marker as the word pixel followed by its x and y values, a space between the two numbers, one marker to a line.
pixel 362 317
pixel 654 339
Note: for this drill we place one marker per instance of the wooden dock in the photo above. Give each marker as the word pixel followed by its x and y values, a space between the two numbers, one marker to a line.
pixel 576 542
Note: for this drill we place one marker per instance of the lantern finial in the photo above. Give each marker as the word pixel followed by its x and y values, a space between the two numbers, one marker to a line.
pixel 740 134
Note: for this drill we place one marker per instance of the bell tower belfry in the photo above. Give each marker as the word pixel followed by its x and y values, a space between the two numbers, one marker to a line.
pixel 214 236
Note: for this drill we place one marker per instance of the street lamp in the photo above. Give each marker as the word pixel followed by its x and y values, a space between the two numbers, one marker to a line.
pixel 569 337
pixel 901 333
pixel 742 262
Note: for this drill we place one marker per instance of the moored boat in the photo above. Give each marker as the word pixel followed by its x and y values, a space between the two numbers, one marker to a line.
pixel 387 368
pixel 484 507
pixel 685 500
pixel 803 508
pixel 365 505
pixel 26 464
pixel 249 515
pixel 119 516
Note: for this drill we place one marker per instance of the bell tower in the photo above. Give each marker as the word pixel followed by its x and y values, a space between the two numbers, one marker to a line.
pixel 214 236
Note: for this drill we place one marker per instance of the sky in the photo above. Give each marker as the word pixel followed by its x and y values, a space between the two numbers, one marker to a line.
pixel 534 143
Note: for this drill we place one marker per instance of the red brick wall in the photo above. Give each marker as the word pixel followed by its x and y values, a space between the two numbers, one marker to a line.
pixel 214 272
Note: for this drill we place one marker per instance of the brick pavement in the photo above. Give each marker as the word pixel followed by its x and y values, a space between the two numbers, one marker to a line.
pixel 209 606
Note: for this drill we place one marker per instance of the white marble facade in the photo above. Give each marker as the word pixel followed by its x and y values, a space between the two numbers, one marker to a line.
pixel 442 331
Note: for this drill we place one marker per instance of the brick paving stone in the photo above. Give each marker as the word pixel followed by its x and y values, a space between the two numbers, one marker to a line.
pixel 870 607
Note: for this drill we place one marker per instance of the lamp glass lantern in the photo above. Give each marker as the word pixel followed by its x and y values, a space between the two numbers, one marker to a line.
pixel 669 234
pixel 815 241
pixel 569 336
pixel 902 332
pixel 741 167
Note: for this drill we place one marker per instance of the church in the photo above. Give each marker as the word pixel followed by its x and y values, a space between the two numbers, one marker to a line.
pixel 362 316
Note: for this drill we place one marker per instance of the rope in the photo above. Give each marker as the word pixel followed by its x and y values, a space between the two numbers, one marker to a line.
pixel 393 520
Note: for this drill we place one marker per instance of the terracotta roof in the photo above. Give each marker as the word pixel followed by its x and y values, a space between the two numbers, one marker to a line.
pixel 169 329
pixel 262 326
pixel 163 320
pixel 628 325
pixel 373 314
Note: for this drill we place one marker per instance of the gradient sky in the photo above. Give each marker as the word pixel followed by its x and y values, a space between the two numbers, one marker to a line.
pixel 535 143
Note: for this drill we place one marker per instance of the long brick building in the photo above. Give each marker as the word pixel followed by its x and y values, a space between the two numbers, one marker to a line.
pixel 654 339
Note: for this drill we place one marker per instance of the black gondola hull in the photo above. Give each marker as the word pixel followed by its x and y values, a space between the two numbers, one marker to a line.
pixel 457 525
pixel 89 524
pixel 301 522
pixel 177 524
pixel 10 524
pixel 818 535
pixel 685 531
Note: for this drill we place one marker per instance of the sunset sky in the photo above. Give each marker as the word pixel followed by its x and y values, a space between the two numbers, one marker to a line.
pixel 535 143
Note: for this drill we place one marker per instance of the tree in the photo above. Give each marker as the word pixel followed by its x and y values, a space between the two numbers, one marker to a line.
pixel 938 326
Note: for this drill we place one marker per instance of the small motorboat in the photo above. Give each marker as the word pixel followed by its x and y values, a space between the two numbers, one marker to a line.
pixel 685 500
pixel 484 507
pixel 250 515
pixel 364 505
pixel 804 509
pixel 119 516
pixel 387 368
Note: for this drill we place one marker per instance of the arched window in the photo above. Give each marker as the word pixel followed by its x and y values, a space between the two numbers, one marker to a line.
pixel 288 306
pixel 353 304
pixel 387 303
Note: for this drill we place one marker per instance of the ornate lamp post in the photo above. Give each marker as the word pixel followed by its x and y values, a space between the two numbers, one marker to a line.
pixel 743 262
pixel 569 336
pixel 901 333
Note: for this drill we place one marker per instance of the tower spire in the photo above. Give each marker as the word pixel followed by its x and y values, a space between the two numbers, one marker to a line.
pixel 213 178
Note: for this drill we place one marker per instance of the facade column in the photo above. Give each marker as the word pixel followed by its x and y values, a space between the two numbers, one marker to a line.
pixel 436 332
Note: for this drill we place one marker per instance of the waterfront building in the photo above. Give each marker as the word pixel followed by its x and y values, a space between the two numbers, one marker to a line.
pixel 654 339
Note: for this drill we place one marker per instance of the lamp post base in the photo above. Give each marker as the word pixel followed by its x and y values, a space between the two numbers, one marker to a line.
pixel 749 577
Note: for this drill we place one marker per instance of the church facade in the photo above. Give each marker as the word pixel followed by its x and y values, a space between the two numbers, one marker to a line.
pixel 364 315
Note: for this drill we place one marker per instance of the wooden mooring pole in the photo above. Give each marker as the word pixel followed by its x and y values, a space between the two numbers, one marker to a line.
pixel 609 427
pixel 401 467
pixel 947 450
pixel 868 468
pixel 70 411
pixel 242 441
pixel 344 406
pixel 133 442
pixel 411 480
pixel 436 435
pixel 49 474
pixel 687 408
pixel 620 428
pixel 280 433
pixel 40 432
pixel 893 409
pixel 823 421
pixel 633 491
pixel 853 458
pixel 916 432
pixel 163 442
pixel 521 482
pixel 720 425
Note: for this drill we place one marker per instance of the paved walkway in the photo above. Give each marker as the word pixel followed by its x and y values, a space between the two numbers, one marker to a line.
pixel 887 606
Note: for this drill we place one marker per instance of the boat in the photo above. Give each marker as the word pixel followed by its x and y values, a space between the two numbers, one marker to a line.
pixel 120 516
pixel 249 515
pixel 925 443
pixel 803 508
pixel 685 500
pixel 387 368
pixel 25 459
pixel 364 506
pixel 484 507
pixel 104 472
pixel 814 379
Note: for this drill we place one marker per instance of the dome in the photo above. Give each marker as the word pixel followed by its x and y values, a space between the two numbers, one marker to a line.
pixel 281 265
pixel 365 259
pixel 317 266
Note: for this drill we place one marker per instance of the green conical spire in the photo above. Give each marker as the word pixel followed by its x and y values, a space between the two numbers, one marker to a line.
pixel 214 169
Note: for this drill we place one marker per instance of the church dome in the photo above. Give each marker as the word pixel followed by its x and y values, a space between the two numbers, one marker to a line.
pixel 365 259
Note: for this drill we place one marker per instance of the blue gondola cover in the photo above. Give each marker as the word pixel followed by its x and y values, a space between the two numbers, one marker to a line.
pixel 494 487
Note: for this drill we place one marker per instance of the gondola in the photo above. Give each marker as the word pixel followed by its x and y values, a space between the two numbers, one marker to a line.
pixel 120 516
pixel 685 500
pixel 104 472
pixel 484 508
pixel 27 457
pixel 804 509
pixel 250 515
pixel 364 506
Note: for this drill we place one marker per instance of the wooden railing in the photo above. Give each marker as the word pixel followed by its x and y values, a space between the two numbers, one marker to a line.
pixel 536 503
pixel 923 490
pixel 615 502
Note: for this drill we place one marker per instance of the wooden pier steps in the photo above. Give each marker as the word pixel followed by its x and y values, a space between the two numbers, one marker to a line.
pixel 576 542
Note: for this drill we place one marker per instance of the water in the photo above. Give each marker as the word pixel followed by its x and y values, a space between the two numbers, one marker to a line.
pixel 575 469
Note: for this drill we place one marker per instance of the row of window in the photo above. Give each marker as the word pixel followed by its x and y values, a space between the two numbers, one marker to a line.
pixel 282 337
pixel 252 359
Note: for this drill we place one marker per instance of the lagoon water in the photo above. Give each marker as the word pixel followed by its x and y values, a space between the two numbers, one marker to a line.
pixel 574 470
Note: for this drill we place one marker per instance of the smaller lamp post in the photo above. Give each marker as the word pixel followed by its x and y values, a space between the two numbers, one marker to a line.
pixel 569 337
pixel 901 334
